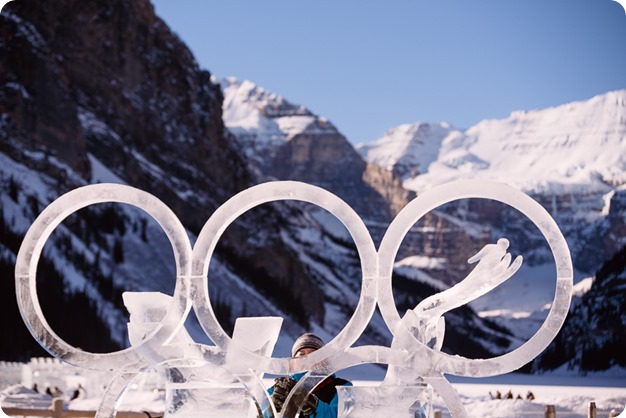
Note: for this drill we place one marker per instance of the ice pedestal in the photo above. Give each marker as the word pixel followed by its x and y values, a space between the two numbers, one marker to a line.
pixel 195 388
pixel 201 398
pixel 409 401
pixel 220 393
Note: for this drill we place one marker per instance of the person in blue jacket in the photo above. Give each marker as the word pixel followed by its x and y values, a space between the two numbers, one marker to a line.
pixel 323 401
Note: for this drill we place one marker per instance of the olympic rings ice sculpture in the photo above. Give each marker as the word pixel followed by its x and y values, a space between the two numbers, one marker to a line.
pixel 412 354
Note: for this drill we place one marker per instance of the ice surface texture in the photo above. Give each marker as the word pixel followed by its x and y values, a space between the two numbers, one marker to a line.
pixel 413 358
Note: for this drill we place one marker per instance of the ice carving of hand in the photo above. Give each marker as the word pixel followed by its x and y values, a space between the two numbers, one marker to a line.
pixel 494 268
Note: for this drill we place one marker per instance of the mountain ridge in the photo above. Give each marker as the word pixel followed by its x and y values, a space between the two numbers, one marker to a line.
pixel 585 201
pixel 290 142
pixel 510 150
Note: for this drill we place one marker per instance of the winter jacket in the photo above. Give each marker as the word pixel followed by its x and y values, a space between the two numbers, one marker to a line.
pixel 326 393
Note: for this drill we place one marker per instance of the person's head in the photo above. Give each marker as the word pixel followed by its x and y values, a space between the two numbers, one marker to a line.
pixel 306 344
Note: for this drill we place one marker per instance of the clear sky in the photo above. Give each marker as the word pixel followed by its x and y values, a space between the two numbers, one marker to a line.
pixel 368 66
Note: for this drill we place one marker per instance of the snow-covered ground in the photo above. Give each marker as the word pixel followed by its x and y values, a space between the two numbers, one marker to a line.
pixel 571 396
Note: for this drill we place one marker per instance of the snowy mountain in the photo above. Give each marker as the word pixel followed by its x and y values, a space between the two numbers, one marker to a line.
pixel 594 334
pixel 588 137
pixel 121 99
pixel 570 158
pixel 108 93
pixel 435 253
pixel 408 149
pixel 324 157
pixel 263 121
pixel 290 142
pixel 581 188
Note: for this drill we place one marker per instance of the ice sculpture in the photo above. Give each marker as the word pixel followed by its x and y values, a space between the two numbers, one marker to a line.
pixel 224 379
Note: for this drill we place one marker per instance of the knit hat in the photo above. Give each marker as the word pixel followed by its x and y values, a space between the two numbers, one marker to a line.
pixel 307 340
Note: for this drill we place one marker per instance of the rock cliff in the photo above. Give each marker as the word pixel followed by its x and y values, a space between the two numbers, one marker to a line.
pixel 107 83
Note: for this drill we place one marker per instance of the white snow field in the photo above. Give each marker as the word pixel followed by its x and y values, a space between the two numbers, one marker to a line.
pixel 570 395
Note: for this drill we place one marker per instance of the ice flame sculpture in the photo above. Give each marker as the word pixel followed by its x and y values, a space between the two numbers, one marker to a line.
pixel 224 380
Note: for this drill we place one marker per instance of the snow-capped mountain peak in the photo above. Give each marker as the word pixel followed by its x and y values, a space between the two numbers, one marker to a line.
pixel 576 145
pixel 407 149
pixel 262 118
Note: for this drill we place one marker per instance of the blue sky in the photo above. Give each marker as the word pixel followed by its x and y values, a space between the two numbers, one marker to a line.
pixel 369 66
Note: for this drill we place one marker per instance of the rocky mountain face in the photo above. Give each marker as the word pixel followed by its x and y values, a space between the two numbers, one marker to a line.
pixel 102 91
pixel 289 142
pixel 88 85
pixel 570 158
pixel 593 336
pixel 106 84
pixel 407 150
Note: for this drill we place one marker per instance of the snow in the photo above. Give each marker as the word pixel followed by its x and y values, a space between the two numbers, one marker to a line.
pixel 28 31
pixel 582 287
pixel 100 173
pixel 32 182
pixel 415 145
pixel 524 315
pixel 294 125
pixel 259 118
pixel 472 156
pixel 411 267
pixel 570 395
pixel 448 154
pixel 590 140
pixel 93 126
pixel 18 396
pixel 536 284
pixel 241 113
pixel 150 167
pixel 588 136
pixel 607 202
pixel 18 87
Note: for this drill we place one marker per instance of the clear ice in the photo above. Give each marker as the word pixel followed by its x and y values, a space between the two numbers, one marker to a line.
pixel 224 380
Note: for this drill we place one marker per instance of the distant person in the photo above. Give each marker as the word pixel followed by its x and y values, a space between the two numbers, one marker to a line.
pixel 78 392
pixel 75 395
pixel 509 395
pixel 530 396
pixel 323 401
pixel 57 392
